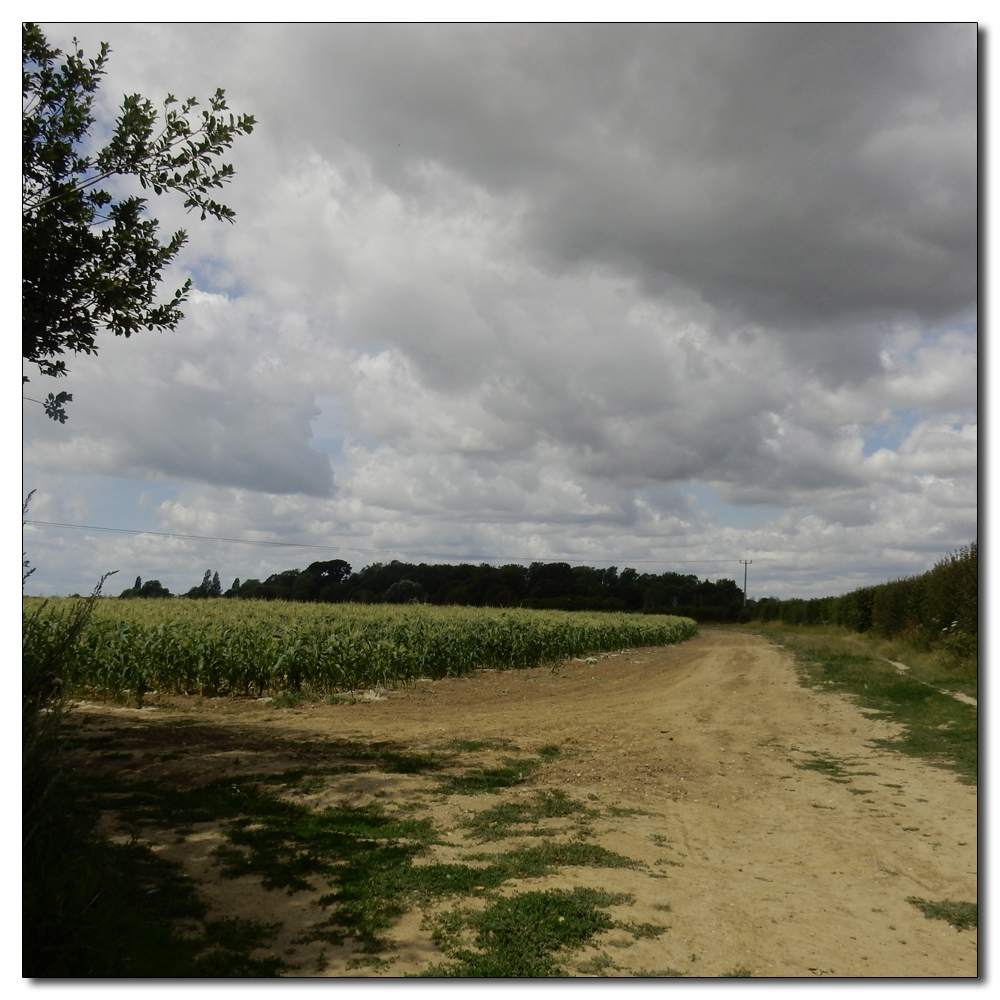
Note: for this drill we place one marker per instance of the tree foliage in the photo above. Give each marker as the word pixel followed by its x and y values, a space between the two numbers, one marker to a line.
pixel 92 261
pixel 552 586
pixel 210 586
pixel 151 588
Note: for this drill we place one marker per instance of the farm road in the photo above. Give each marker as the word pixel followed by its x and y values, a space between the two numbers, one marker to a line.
pixel 766 862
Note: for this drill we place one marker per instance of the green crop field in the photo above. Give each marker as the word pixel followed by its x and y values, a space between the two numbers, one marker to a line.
pixel 219 647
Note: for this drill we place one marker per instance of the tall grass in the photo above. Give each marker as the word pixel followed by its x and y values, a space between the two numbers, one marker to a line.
pixel 213 647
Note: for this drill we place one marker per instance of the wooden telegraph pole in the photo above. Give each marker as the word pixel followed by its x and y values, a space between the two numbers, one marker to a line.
pixel 746 562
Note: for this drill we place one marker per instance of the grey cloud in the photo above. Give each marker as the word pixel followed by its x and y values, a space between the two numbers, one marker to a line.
pixel 193 436
pixel 792 173
pixel 795 175
pixel 226 441
pixel 211 402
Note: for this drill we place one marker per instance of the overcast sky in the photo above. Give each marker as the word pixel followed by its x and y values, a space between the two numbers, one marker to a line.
pixel 663 296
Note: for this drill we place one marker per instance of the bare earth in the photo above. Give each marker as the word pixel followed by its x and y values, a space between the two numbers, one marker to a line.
pixel 764 865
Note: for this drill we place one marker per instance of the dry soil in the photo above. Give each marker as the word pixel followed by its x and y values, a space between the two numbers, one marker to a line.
pixel 765 865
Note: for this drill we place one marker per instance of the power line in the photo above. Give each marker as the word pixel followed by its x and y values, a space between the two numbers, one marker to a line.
pixel 347 548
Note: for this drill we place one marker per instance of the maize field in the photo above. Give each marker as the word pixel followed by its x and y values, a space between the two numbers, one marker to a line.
pixel 254 648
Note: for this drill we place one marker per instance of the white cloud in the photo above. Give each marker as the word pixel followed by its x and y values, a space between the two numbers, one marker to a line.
pixel 505 291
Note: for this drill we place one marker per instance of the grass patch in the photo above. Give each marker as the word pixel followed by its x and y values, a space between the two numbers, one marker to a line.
pixel 470 746
pixel 738 973
pixel 531 862
pixel 523 936
pixel 644 930
pixel 364 854
pixel 477 780
pixel 498 822
pixel 936 727
pixel 311 783
pixel 961 916
pixel 371 962
pixel 598 965
pixel 284 844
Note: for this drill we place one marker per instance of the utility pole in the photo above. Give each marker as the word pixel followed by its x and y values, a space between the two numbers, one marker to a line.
pixel 746 562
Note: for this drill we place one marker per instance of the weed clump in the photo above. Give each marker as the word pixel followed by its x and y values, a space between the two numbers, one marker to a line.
pixel 961 916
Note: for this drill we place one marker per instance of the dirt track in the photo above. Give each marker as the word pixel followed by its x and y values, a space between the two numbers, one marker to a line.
pixel 765 865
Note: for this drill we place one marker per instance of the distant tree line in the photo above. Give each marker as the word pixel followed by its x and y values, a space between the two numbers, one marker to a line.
pixel 939 607
pixel 555 586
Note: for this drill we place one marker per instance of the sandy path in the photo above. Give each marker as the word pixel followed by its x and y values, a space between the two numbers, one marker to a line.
pixel 765 865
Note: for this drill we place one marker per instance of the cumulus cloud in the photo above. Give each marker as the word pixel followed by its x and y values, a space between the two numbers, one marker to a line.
pixel 512 289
